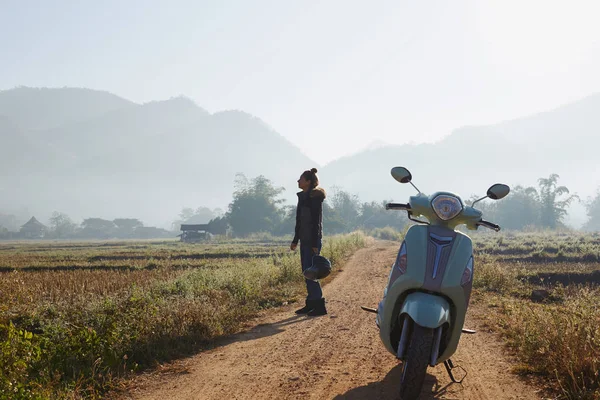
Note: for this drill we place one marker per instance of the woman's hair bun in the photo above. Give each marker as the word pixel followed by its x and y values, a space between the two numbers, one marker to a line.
pixel 313 170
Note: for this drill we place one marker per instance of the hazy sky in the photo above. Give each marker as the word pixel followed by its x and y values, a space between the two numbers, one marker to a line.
pixel 331 76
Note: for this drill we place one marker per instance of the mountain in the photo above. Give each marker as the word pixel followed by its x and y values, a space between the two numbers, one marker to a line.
pixel 563 141
pixel 43 108
pixel 94 154
pixel 128 160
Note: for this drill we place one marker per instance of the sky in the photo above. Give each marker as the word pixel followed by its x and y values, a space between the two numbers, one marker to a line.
pixel 331 76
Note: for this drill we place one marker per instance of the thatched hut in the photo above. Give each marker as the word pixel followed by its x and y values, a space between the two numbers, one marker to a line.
pixel 33 229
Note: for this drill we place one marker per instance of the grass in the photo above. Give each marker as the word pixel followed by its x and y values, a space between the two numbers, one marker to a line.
pixel 387 233
pixel 76 318
pixel 557 337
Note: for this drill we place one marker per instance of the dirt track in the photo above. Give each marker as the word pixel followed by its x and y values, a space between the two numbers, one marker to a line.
pixel 338 356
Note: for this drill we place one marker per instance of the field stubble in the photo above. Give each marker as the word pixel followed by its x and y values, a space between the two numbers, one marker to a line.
pixel 74 318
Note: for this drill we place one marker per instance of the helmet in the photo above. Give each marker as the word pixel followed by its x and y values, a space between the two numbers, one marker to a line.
pixel 321 267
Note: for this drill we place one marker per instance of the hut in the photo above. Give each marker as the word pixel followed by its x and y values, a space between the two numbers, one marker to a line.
pixel 33 229
pixel 192 233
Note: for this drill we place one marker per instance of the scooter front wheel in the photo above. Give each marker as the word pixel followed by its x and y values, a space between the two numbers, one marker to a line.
pixel 414 368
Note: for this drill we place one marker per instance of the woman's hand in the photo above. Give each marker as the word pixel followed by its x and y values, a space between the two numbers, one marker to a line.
pixel 315 250
pixel 293 246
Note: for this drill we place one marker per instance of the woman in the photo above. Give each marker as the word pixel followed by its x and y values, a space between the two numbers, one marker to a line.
pixel 309 230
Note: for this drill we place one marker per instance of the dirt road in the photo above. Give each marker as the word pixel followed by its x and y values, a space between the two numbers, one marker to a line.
pixel 338 356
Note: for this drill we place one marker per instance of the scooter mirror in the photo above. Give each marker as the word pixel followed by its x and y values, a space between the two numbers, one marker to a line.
pixel 401 174
pixel 498 191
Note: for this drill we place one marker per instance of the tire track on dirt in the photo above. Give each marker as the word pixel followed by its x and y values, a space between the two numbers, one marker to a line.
pixel 337 356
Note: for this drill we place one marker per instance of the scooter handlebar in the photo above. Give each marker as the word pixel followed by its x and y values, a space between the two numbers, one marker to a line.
pixel 397 206
pixel 489 225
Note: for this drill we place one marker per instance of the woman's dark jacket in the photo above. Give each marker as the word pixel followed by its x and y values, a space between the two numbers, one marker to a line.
pixel 309 217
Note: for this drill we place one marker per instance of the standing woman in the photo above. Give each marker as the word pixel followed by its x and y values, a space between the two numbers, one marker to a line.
pixel 309 230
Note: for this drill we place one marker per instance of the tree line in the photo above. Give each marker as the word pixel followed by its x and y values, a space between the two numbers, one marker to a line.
pixel 61 226
pixel 541 207
pixel 257 206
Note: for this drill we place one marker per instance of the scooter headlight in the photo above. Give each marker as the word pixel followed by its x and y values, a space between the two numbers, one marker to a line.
pixel 446 207
pixel 467 275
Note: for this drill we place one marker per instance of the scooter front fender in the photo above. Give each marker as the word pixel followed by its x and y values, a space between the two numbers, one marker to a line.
pixel 427 310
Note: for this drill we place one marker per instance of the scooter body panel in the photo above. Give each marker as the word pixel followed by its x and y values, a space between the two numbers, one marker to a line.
pixel 427 310
pixel 436 258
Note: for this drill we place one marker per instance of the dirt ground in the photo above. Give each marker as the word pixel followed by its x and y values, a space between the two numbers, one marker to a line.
pixel 337 356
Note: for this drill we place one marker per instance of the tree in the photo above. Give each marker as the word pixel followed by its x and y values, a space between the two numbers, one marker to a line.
pixel 218 226
pixel 518 210
pixel 553 210
pixel 186 214
pixel 9 221
pixel 127 226
pixel 593 212
pixel 200 215
pixel 255 207
pixel 288 221
pixel 332 221
pixel 528 206
pixel 374 215
pixel 97 228
pixel 61 225
pixel 346 206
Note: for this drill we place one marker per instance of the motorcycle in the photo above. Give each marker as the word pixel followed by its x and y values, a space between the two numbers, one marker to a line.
pixel 424 304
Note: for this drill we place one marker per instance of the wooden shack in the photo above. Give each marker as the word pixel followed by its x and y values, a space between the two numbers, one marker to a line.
pixel 193 233
pixel 33 229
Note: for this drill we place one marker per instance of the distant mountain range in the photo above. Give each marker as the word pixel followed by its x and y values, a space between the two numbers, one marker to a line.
pixel 93 154
pixel 565 141
pixel 90 153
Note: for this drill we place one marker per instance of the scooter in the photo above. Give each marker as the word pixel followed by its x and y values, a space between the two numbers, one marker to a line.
pixel 422 313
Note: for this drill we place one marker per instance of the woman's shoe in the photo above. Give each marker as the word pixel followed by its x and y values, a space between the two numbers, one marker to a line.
pixel 310 304
pixel 319 308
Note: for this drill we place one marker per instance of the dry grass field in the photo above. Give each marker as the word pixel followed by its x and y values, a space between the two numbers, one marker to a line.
pixel 76 317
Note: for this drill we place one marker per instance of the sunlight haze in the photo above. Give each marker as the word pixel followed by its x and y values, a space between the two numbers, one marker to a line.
pixel 332 77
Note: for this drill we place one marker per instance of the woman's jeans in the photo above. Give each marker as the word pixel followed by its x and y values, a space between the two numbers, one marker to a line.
pixel 312 287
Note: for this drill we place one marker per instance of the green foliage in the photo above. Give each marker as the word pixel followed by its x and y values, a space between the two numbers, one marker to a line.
pixel 518 210
pixel 338 248
pixel 62 226
pixel 553 210
pixel 528 207
pixel 200 215
pixel 333 223
pixel 346 207
pixel 387 233
pixel 255 207
pixel 374 215
pixel 593 212
pixel 218 226
pixel 97 228
pixel 127 226
pixel 345 213
pixel 20 352
pixel 492 276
